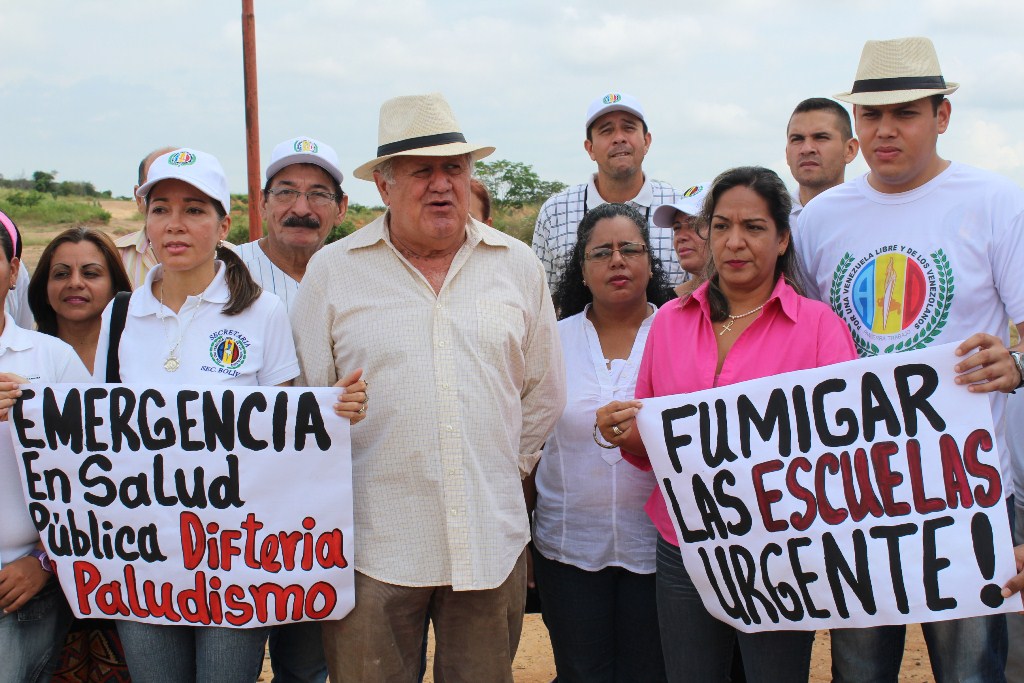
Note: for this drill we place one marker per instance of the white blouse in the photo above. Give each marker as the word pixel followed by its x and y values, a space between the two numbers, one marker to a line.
pixel 590 502
pixel 38 358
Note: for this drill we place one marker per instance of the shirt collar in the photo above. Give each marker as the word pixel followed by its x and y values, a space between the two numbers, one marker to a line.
pixel 376 231
pixel 786 297
pixel 144 303
pixel 14 337
pixel 136 240
pixel 645 197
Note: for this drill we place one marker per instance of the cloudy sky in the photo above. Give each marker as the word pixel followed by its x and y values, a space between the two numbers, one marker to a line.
pixel 89 86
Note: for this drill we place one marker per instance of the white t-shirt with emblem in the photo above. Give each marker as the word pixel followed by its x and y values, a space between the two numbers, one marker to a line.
pixel 253 348
pixel 915 269
pixel 38 358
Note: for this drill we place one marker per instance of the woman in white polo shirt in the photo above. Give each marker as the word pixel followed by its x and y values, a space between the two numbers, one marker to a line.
pixel 200 319
pixel 33 613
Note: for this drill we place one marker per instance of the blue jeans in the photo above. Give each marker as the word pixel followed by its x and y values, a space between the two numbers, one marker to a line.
pixel 192 654
pixel 31 638
pixel 297 653
pixel 699 647
pixel 969 650
pixel 603 624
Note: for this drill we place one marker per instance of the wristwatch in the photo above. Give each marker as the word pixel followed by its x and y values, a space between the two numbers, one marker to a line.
pixel 1018 360
pixel 44 560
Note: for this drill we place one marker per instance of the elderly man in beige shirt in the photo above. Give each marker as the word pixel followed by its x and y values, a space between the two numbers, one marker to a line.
pixel 453 325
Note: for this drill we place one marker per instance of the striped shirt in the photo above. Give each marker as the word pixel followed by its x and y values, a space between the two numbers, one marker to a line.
pixel 137 256
pixel 267 275
pixel 555 232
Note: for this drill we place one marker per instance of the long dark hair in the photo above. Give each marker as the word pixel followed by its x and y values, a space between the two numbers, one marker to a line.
pixel 243 290
pixel 769 186
pixel 39 302
pixel 572 296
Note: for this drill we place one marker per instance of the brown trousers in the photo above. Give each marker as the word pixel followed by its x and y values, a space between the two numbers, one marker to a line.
pixel 381 640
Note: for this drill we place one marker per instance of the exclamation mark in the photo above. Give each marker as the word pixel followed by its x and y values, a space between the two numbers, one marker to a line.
pixel 984 551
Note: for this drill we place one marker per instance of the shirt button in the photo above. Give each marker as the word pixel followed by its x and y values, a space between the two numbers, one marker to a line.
pixel 440 343
pixel 444 385
pixel 449 428
pixel 455 512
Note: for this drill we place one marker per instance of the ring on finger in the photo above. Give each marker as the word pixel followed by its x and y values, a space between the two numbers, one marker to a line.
pixel 362 411
pixel 616 431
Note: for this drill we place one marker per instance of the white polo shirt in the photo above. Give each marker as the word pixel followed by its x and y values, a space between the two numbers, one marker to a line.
pixel 253 348
pixel 38 358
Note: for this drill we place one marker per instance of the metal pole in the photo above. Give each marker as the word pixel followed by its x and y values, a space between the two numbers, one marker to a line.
pixel 252 118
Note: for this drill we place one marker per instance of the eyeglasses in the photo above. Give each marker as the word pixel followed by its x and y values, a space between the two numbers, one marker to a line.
pixel 627 250
pixel 286 197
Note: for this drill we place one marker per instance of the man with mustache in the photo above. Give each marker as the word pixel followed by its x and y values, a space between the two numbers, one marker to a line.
pixel 617 140
pixel 302 201
pixel 819 146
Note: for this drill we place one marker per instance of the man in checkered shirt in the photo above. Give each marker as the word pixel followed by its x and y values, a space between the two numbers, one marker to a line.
pixel 618 140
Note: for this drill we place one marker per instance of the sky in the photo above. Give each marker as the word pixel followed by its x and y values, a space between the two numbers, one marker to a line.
pixel 88 87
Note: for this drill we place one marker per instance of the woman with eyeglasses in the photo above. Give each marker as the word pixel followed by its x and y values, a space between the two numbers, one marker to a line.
pixel 593 545
pixel 747 320
pixel 200 292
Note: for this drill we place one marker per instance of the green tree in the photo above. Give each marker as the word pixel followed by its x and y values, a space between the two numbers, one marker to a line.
pixel 513 183
pixel 43 181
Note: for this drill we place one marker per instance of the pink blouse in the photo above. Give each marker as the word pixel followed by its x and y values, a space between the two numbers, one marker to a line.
pixel 791 333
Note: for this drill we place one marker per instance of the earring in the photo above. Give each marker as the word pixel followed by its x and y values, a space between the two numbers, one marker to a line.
pixel 584 282
pixel 12 287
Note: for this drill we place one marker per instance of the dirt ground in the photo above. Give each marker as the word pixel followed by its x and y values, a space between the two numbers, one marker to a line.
pixel 535 664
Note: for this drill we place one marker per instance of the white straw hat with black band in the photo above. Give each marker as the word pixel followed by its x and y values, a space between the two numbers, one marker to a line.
pixel 419 125
pixel 897 71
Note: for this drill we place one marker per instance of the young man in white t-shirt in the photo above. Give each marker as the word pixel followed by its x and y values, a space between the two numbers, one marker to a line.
pixel 920 251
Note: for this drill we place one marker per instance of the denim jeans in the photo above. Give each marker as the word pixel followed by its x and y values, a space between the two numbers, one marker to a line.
pixel 1015 621
pixel 297 653
pixel 603 624
pixel 192 654
pixel 31 638
pixel 969 650
pixel 699 647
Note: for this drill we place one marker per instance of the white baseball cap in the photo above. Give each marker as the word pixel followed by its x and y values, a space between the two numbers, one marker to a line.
pixel 614 101
pixel 691 204
pixel 304 150
pixel 199 169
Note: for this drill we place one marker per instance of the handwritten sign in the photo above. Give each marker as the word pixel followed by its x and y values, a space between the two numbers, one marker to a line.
pixel 857 494
pixel 203 506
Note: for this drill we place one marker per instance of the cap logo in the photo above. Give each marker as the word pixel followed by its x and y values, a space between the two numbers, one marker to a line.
pixel 612 98
pixel 693 191
pixel 306 147
pixel 182 158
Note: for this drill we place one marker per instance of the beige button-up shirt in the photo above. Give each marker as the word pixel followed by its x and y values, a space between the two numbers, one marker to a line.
pixel 465 386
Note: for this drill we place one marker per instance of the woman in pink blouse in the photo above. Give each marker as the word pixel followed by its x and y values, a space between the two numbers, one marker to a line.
pixel 747 321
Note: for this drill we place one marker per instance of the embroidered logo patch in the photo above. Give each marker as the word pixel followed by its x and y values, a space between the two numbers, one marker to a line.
pixel 693 190
pixel 227 351
pixel 181 158
pixel 306 146
pixel 893 299
pixel 612 98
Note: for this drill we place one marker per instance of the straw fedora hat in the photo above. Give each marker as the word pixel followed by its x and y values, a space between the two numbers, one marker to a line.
pixel 897 71
pixel 419 125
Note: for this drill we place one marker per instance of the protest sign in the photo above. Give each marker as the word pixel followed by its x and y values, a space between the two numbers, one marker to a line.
pixel 204 506
pixel 857 494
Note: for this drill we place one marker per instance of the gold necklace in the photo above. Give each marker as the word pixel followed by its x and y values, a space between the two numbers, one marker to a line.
pixel 733 318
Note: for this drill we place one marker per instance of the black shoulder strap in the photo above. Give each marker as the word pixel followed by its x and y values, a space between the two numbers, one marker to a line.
pixel 118 316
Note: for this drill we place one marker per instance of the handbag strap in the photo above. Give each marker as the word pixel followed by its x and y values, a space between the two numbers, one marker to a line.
pixel 118 316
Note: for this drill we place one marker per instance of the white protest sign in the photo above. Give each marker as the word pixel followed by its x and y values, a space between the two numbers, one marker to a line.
pixel 857 494
pixel 203 506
